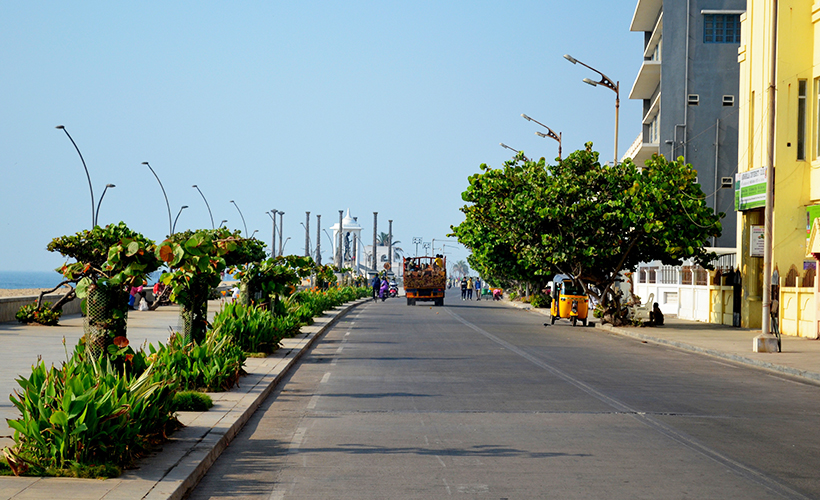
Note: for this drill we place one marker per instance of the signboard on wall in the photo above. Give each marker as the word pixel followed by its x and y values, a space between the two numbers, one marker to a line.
pixel 750 189
pixel 757 243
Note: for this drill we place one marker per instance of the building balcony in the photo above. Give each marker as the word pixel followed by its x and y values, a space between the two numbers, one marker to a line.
pixel 646 13
pixel 649 77
pixel 641 151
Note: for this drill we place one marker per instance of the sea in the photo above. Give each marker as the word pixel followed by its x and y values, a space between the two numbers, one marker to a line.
pixel 29 279
pixel 15 280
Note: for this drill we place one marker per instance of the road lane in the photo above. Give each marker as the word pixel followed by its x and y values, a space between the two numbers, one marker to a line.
pixel 481 400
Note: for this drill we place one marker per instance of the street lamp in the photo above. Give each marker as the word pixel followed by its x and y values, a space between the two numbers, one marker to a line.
pixel 93 214
pixel 511 149
pixel 206 204
pixel 168 205
pixel 240 214
pixel 97 215
pixel 549 133
pixel 606 82
pixel 174 226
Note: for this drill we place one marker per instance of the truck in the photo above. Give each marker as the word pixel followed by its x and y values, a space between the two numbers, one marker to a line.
pixel 425 279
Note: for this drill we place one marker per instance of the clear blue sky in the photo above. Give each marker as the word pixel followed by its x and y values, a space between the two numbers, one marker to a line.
pixel 319 106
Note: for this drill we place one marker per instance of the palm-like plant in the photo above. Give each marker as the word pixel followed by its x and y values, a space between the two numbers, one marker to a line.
pixel 383 239
pixel 461 269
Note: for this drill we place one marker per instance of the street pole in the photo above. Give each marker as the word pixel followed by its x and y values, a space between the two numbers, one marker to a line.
pixel 339 250
pixel 375 225
pixel 307 234
pixel 390 243
pixel 318 240
pixel 88 176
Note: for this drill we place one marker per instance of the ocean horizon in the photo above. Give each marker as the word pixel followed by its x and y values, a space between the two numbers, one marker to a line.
pixel 15 280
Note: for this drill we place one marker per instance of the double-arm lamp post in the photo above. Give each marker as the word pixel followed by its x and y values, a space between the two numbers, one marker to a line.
pixel 606 82
pixel 549 133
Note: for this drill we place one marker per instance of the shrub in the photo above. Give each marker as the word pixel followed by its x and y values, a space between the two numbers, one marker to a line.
pixel 214 365
pixel 86 412
pixel 44 316
pixel 191 401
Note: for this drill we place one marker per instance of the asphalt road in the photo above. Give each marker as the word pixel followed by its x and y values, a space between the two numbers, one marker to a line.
pixel 478 400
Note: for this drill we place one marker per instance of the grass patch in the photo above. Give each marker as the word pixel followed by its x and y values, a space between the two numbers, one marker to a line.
pixel 191 401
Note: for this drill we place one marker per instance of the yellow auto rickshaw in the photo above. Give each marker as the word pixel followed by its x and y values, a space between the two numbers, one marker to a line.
pixel 568 300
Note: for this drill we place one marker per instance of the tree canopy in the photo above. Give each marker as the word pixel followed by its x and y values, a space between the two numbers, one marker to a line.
pixel 528 220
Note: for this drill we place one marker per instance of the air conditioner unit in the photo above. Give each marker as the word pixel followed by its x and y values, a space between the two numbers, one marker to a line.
pixel 726 182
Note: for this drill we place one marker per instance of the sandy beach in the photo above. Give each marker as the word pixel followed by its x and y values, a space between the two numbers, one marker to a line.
pixel 23 292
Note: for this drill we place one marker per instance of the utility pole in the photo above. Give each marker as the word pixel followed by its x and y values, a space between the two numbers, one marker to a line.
pixel 307 234
pixel 318 240
pixel 390 243
pixel 339 250
pixel 375 225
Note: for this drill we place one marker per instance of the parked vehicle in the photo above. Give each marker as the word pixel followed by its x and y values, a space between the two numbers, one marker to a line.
pixel 569 301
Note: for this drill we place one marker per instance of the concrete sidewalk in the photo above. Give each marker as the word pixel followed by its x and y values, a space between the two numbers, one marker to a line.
pixel 800 357
pixel 178 466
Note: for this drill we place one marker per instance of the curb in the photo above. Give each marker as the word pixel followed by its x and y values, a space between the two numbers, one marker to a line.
pixel 172 472
pixel 805 375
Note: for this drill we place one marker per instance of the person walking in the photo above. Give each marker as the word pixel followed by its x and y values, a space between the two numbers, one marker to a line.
pixel 463 288
pixel 470 288
pixel 376 283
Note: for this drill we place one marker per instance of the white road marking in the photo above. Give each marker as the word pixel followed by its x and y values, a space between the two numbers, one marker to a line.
pixel 325 378
pixel 296 441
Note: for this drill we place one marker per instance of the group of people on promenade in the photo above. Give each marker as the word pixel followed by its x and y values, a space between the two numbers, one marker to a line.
pixel 467 287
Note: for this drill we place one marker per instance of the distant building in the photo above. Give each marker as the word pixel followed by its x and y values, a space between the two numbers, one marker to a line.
pixel 688 83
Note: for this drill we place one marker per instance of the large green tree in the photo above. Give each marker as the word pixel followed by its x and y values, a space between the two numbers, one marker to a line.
pixel 585 219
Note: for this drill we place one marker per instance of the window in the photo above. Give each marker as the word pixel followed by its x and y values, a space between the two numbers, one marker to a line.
pixel 721 28
pixel 801 119
pixel 817 118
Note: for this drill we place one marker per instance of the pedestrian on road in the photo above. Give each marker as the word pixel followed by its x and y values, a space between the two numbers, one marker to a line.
pixel 384 288
pixel 470 288
pixel 478 288
pixel 376 283
pixel 463 288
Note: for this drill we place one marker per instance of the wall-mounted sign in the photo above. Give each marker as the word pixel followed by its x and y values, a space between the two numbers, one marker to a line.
pixel 757 243
pixel 750 189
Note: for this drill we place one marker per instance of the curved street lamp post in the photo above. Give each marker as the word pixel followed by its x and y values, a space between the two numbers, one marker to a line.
pixel 240 214
pixel 174 226
pixel 93 213
pixel 606 82
pixel 97 215
pixel 168 205
pixel 550 133
pixel 206 204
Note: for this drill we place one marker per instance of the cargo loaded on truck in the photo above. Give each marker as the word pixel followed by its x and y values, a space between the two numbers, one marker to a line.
pixel 425 278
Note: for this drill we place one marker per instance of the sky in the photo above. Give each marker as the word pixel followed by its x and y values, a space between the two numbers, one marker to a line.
pixel 313 106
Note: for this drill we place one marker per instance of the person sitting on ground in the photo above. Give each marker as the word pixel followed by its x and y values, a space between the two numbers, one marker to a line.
pixel 656 315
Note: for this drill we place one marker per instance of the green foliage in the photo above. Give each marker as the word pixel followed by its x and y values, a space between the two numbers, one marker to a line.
pixel 213 365
pixel 528 220
pixel 197 260
pixel 113 254
pixel 86 412
pixel 44 316
pixel 191 401
pixel 251 327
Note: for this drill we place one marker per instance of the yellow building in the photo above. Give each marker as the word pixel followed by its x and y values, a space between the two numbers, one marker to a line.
pixel 796 149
